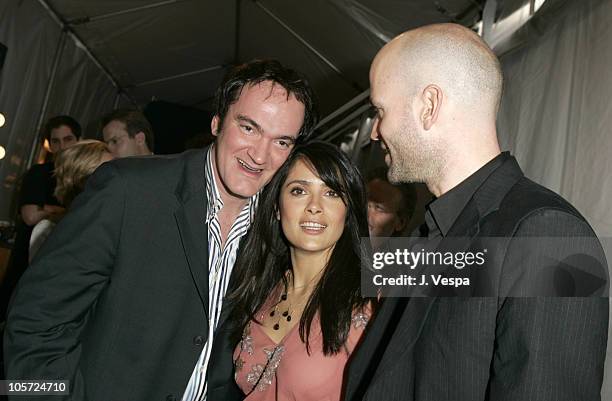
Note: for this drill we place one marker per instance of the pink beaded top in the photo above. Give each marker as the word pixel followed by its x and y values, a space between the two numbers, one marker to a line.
pixel 267 371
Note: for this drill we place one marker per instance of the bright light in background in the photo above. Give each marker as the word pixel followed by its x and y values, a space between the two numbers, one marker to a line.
pixel 2 150
pixel 46 145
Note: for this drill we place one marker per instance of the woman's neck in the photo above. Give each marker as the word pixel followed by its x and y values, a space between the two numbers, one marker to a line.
pixel 307 269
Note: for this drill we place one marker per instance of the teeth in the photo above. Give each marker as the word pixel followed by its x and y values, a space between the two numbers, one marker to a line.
pixel 312 224
pixel 256 170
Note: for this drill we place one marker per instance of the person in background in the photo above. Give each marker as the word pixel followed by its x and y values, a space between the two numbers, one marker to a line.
pixel 127 133
pixel 297 305
pixel 37 200
pixel 72 168
pixel 390 207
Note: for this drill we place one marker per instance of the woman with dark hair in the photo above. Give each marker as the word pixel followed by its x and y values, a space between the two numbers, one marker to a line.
pixel 297 303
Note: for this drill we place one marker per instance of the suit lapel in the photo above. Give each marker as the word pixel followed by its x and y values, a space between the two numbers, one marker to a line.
pixel 416 309
pixel 190 218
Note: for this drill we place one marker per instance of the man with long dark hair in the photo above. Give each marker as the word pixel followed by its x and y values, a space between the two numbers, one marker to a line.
pixel 135 275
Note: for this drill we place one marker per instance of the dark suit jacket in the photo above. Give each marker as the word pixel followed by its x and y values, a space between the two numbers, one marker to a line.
pixel 499 347
pixel 117 300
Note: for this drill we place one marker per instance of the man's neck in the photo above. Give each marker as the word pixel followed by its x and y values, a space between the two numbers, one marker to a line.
pixel 458 169
pixel 145 152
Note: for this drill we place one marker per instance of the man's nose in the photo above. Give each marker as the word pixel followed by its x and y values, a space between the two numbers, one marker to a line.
pixel 259 152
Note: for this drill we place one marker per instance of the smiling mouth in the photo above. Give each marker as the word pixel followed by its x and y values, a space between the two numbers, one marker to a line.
pixel 248 167
pixel 312 225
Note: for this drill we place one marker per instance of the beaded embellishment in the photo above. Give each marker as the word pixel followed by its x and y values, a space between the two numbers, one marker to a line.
pixel 261 376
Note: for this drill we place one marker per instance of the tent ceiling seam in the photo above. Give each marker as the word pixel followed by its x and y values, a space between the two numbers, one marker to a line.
pixel 87 19
pixel 80 43
pixel 181 75
pixel 308 45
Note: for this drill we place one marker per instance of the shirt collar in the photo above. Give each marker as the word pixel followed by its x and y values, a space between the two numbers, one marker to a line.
pixel 215 203
pixel 442 212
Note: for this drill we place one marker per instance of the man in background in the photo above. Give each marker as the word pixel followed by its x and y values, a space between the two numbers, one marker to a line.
pixel 128 133
pixel 37 201
pixel 390 207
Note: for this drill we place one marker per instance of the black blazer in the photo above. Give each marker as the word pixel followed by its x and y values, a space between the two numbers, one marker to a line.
pixel 492 348
pixel 117 299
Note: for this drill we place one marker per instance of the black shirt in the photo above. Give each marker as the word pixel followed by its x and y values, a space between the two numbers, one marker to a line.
pixel 441 213
pixel 38 186
pixel 36 189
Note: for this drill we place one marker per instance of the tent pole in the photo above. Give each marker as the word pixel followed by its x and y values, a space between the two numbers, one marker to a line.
pixel 82 45
pixel 43 109
pixel 363 95
pixel 328 135
pixel 363 21
pixel 116 102
pixel 488 19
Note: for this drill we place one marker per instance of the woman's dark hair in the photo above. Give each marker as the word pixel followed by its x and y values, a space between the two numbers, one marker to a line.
pixel 264 258
pixel 258 71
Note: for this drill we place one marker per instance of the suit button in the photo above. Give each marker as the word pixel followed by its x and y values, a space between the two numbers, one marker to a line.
pixel 198 341
pixel 170 397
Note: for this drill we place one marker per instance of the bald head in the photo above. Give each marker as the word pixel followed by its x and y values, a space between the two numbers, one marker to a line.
pixel 447 55
pixel 437 91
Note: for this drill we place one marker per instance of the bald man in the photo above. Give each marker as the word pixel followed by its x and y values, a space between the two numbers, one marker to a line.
pixel 511 336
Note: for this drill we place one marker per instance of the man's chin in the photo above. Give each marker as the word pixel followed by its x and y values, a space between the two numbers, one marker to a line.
pixel 242 193
pixel 401 177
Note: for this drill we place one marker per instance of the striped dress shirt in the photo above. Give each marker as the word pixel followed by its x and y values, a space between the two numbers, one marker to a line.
pixel 220 264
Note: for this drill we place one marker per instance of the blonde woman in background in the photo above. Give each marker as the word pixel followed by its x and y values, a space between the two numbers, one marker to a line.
pixel 73 166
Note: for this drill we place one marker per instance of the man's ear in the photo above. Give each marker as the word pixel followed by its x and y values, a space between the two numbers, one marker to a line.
pixel 140 138
pixel 214 125
pixel 432 99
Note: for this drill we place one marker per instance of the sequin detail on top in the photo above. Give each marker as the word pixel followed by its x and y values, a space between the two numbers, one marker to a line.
pixel 262 376
pixel 246 343
pixel 360 320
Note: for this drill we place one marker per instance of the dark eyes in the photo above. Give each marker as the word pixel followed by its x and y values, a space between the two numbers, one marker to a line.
pixel 300 191
pixel 297 191
pixel 284 144
pixel 247 128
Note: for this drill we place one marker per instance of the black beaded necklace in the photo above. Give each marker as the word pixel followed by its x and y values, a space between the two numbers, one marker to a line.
pixel 285 314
